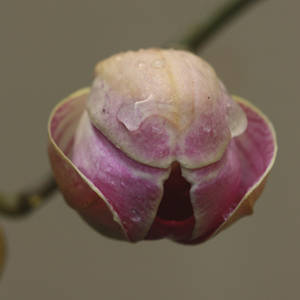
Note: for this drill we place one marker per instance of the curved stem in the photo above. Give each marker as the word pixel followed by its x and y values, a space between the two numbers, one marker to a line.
pixel 23 203
pixel 222 16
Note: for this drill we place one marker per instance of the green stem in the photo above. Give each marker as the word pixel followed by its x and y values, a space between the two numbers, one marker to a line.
pixel 26 202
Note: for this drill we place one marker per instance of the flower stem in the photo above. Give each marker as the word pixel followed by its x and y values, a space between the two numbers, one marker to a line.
pixel 23 203
pixel 202 33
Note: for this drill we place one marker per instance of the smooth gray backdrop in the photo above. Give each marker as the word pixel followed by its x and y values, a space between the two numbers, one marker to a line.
pixel 47 50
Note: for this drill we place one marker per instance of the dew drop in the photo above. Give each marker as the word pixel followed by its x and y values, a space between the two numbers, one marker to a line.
pixel 207 129
pixel 135 216
pixel 228 105
pixel 141 64
pixel 236 118
pixel 123 183
pixel 133 114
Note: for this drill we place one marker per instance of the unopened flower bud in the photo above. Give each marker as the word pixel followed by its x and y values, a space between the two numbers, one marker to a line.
pixel 158 148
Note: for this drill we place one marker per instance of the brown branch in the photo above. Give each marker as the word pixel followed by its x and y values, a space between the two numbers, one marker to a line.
pixel 23 203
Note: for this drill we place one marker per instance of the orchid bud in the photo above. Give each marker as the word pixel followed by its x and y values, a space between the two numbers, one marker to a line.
pixel 157 148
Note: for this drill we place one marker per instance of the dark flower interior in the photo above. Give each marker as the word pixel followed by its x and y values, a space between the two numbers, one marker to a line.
pixel 175 204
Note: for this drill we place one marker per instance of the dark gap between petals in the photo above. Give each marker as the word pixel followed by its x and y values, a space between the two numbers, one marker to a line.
pixel 176 204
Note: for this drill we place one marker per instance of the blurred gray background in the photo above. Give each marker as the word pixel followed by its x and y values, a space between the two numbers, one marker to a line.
pixel 48 49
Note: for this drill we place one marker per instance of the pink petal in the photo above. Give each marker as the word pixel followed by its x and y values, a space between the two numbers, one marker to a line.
pixel 133 190
pixel 78 191
pixel 219 190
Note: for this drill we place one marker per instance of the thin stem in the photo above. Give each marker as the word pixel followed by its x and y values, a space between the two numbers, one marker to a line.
pixel 26 202
pixel 207 30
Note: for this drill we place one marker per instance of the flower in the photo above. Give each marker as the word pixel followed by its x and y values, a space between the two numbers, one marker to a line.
pixel 157 148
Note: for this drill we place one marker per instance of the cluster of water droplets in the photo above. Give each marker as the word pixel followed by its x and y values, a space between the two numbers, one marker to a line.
pixel 157 64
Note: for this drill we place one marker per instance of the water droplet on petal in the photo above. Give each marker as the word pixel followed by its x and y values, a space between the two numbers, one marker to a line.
pixel 123 183
pixel 133 114
pixel 207 129
pixel 135 216
pixel 141 64
pixel 236 118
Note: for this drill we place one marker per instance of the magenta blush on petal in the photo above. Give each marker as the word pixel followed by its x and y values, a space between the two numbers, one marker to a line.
pixel 214 192
pixel 133 190
pixel 211 135
pixel 219 190
pixel 153 132
pixel 116 117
